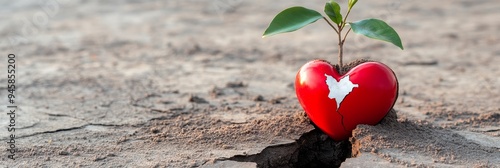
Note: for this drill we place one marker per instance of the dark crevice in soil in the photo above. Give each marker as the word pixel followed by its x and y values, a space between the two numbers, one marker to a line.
pixel 54 131
pixel 312 149
pixel 68 129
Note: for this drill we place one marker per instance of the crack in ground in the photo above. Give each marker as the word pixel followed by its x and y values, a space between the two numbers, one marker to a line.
pixel 312 149
pixel 66 129
pixel 54 131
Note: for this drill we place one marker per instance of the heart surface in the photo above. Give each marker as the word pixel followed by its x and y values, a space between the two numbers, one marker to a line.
pixel 337 104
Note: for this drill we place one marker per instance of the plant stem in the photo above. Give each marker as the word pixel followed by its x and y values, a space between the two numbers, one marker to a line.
pixel 346 35
pixel 331 25
pixel 341 52
pixel 339 29
pixel 341 49
pixel 345 18
pixel 341 41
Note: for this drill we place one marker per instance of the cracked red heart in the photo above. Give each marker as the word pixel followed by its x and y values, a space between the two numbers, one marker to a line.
pixel 338 103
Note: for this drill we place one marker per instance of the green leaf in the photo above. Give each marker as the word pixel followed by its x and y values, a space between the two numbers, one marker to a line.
pixel 332 9
pixel 351 3
pixel 377 29
pixel 292 19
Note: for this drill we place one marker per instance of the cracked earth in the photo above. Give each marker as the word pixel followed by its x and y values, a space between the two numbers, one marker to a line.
pixel 193 84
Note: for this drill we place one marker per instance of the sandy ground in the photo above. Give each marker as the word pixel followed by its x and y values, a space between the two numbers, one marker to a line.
pixel 192 83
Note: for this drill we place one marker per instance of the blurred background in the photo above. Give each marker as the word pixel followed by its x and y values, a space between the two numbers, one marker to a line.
pixel 108 67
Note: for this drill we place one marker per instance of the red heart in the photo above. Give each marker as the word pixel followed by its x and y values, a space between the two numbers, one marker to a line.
pixel 370 91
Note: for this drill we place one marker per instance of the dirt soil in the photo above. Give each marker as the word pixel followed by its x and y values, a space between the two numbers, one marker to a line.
pixel 192 84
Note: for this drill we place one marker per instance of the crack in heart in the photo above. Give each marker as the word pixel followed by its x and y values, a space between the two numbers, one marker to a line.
pixel 339 91
pixel 342 121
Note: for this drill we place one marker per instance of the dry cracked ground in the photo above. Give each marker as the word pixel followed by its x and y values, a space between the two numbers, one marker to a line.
pixel 192 84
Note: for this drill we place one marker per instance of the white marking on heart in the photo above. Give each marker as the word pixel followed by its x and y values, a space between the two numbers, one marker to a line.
pixel 339 90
